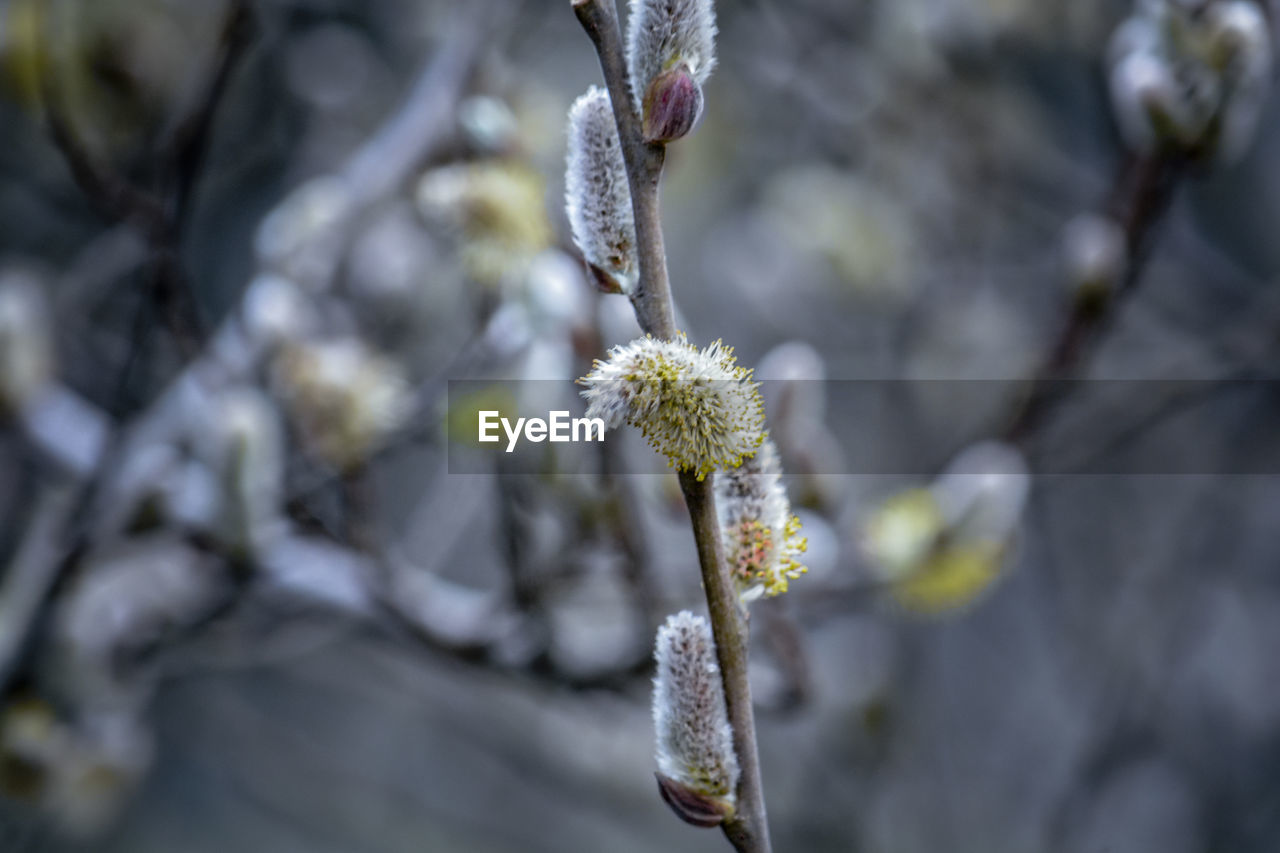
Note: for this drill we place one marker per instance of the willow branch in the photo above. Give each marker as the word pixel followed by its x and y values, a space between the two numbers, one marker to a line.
pixel 748 831
pixel 652 296
pixel 1142 196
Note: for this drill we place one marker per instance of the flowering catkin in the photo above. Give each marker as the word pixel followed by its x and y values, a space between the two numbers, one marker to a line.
pixel 662 34
pixel 696 407
pixel 938 548
pixel 694 740
pixel 1191 75
pixel 498 207
pixel 761 536
pixel 344 398
pixel 597 198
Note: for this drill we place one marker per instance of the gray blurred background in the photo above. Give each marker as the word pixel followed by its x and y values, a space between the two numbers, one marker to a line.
pixel 409 659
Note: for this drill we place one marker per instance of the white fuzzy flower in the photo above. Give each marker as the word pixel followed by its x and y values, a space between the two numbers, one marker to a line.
pixel 696 407
pixel 761 535
pixel 597 197
pixel 663 34
pixel 497 210
pixel 1241 42
pixel 983 491
pixel 1192 74
pixel 344 398
pixel 1238 32
pixel 274 310
pixel 694 739
pixel 937 549
pixel 1144 98
pixel 301 238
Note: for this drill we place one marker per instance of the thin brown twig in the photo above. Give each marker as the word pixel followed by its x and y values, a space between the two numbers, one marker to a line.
pixel 188 143
pixel 114 198
pixel 748 831
pixel 1143 194
pixel 182 157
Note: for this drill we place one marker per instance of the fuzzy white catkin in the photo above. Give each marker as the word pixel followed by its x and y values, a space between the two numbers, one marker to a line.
pixel 1141 84
pixel 1192 73
pixel 696 407
pixel 597 197
pixel 665 33
pixel 694 739
pixel 1239 27
pixel 755 488
pixel 761 536
pixel 275 310
pixel 938 549
pixel 1094 253
pixel 983 491
pixel 1240 33
pixel 343 397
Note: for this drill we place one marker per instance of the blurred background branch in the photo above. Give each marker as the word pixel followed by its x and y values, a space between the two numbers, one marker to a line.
pixel 263 261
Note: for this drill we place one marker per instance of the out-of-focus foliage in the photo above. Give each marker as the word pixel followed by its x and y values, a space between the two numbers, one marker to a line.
pixel 246 603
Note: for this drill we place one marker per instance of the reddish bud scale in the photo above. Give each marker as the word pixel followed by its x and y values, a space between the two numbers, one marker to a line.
pixel 672 105
pixel 692 807
pixel 605 281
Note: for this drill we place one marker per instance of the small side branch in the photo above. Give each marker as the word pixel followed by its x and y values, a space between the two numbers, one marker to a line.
pixel 1142 196
pixel 114 198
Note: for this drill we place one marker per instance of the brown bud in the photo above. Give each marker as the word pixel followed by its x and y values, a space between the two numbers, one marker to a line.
pixel 692 807
pixel 672 104
pixel 604 280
